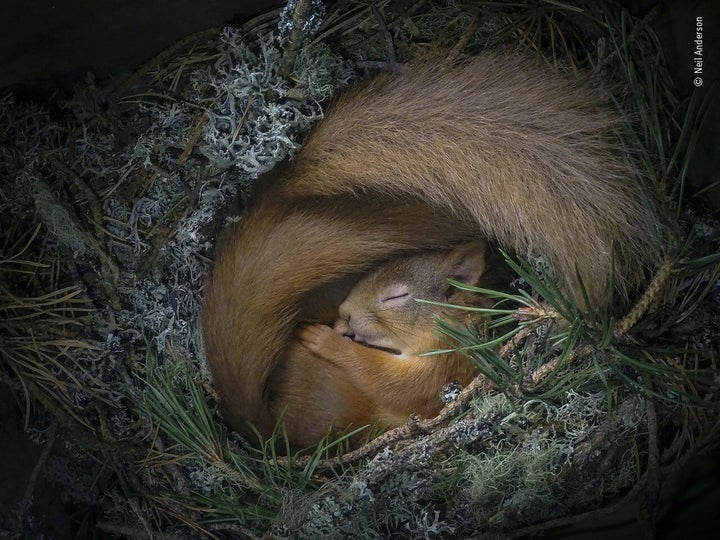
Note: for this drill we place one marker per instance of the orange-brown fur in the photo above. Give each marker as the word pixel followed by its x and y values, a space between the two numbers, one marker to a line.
pixel 386 330
pixel 497 147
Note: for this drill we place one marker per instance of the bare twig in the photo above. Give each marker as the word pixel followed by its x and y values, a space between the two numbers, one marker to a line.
pixel 30 488
pixel 387 37
pixel 458 48
pixel 90 196
pixel 195 135
pixel 300 17
pixel 649 507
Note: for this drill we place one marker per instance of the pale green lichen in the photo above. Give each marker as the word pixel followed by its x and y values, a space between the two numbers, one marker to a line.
pixel 514 479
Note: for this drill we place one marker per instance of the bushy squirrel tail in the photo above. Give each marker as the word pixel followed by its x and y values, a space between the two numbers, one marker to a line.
pixel 531 157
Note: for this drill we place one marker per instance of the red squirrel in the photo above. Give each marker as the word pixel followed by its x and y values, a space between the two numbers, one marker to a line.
pixel 497 147
pixel 382 331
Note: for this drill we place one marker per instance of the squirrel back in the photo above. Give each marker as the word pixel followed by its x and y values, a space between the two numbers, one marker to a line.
pixel 497 148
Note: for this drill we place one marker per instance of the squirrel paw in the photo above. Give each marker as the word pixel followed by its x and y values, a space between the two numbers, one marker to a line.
pixel 321 340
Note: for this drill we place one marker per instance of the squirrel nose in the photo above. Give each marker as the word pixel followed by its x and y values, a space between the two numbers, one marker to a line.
pixel 343 327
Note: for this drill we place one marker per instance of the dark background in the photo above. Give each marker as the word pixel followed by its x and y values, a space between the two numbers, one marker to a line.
pixel 47 45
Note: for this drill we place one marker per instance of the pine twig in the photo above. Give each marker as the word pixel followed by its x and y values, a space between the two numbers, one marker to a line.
pixel 649 298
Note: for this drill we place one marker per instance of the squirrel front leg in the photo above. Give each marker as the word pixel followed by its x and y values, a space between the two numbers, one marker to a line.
pixel 324 342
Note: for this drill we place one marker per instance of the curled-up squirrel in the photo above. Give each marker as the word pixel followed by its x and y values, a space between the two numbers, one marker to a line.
pixel 498 147
pixel 382 330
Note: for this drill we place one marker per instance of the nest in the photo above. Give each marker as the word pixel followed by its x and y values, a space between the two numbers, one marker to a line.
pixel 111 203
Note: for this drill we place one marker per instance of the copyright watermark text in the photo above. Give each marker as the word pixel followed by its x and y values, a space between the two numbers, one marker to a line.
pixel 698 52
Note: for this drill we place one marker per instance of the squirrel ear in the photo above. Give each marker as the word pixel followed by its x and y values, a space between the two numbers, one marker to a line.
pixel 468 262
